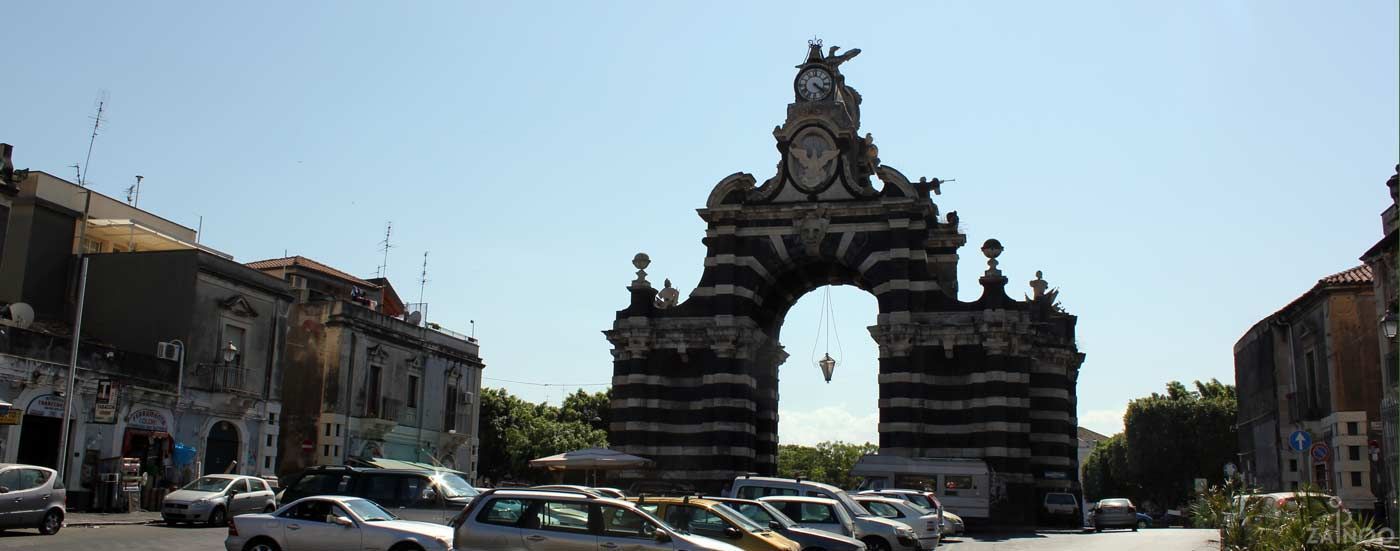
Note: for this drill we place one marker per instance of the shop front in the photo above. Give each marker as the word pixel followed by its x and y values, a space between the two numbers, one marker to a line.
pixel 146 442
pixel 41 431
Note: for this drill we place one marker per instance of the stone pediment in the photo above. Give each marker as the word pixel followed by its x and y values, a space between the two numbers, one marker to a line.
pixel 239 306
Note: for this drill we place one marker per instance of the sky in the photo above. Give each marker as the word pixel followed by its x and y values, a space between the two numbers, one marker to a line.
pixel 1179 170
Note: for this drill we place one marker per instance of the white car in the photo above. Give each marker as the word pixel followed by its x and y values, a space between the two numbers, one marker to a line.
pixel 326 523
pixel 213 498
pixel 927 524
pixel 879 534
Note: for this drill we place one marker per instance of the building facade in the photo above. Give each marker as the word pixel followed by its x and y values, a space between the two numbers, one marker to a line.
pixel 128 402
pixel 366 381
pixel 1312 367
pixel 1381 259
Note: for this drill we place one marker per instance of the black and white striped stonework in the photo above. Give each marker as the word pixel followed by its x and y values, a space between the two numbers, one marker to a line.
pixel 695 382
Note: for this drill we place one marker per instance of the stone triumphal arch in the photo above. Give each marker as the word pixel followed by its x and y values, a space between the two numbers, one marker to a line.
pixel 695 382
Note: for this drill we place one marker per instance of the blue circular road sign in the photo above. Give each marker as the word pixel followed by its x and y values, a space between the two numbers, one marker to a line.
pixel 1320 451
pixel 1300 441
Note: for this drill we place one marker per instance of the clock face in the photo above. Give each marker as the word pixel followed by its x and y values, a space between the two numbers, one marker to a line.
pixel 814 84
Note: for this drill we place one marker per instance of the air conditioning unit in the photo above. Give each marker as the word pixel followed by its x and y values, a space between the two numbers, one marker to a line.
pixel 168 351
pixel 465 398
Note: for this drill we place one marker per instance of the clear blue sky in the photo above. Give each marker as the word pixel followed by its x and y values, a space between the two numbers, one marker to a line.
pixel 1178 169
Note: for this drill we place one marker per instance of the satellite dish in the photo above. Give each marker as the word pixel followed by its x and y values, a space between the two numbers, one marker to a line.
pixel 21 315
pixel 414 318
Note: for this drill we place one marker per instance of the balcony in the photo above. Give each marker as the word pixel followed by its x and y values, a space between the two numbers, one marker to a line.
pixel 225 378
pixel 380 418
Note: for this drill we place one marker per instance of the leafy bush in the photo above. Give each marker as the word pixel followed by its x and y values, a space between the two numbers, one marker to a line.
pixel 1302 524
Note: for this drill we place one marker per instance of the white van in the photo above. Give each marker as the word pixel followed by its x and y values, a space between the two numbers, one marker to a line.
pixel 879 534
pixel 964 486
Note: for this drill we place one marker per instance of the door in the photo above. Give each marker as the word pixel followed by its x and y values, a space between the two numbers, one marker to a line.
pixel 244 500
pixel 309 527
pixel 39 438
pixel 559 526
pixel 818 516
pixel 220 448
pixel 11 499
pixel 625 530
pixel 36 495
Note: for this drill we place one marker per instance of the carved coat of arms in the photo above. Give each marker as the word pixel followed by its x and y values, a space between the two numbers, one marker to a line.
pixel 812 160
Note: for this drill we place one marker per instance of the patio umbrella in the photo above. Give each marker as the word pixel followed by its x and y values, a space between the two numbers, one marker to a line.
pixel 590 459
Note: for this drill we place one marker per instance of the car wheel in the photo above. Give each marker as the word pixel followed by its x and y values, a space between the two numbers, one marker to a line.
pixel 1098 529
pixel 1142 524
pixel 216 517
pixel 876 544
pixel 261 544
pixel 52 523
pixel 406 547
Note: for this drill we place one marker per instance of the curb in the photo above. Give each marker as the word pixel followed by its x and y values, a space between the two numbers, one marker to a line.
pixel 114 522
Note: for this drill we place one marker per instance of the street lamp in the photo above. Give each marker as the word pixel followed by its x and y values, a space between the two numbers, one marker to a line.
pixel 230 352
pixel 1390 324
pixel 828 365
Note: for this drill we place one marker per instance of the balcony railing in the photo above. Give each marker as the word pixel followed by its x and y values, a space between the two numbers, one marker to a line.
pixel 225 378
pixel 386 408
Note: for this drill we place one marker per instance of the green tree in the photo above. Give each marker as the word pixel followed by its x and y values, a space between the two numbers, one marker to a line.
pixel 1106 471
pixel 514 431
pixel 828 462
pixel 594 409
pixel 1175 438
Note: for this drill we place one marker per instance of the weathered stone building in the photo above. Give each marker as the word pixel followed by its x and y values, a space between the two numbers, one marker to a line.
pixel 1381 259
pixel 365 382
pixel 216 416
pixel 1311 366
pixel 696 382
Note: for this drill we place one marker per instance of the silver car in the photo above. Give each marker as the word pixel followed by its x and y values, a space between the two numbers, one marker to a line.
pixel 31 497
pixel 1114 513
pixel 333 523
pixel 216 497
pixel 543 520
pixel 765 514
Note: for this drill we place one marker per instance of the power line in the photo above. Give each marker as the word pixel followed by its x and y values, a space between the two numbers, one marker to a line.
pixel 545 384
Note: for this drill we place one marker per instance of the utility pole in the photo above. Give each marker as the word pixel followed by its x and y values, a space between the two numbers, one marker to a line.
pixel 72 372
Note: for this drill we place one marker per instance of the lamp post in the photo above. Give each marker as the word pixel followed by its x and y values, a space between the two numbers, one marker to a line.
pixel 229 353
pixel 1390 326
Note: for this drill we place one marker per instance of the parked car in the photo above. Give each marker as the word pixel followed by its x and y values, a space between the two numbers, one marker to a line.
pixel 333 522
pixel 952 524
pixel 1144 521
pixel 964 486
pixel 1061 507
pixel 878 533
pixel 927 500
pixel 715 520
pixel 829 515
pixel 809 539
pixel 213 498
pixel 31 497
pixel 428 496
pixel 1114 513
pixel 533 520
pixel 927 525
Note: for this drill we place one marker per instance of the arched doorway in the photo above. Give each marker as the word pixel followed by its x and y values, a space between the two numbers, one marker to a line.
pixel 220 448
pixel 41 431
pixel 695 381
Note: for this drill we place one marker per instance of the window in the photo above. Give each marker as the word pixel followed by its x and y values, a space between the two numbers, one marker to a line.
pixel 337 450
pixel 959 485
pixel 881 509
pixel 503 511
pixel 755 512
pixel 267 462
pixel 233 334
pixel 326 450
pixel 1292 465
pixel 328 429
pixel 1354 453
pixel 272 418
pixel 755 492
pixel 315 510
pixel 269 440
pixel 1293 485
pixel 1352 427
pixel 700 521
pixel 337 429
pixel 240 486
pixel 1310 363
pixel 449 421
pixel 622 523
pixel 1356 479
pixel 412 399
pixel 818 513
pixel 372 403
pixel 564 516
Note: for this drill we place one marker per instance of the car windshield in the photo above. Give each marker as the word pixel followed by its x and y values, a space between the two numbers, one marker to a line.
pixel 454 486
pixel 763 513
pixel 208 484
pixel 368 511
pixel 920 500
pixel 738 518
pixel 851 506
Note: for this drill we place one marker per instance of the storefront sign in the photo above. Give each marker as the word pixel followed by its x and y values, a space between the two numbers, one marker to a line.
pixel 146 419
pixel 48 405
pixel 105 410
pixel 11 417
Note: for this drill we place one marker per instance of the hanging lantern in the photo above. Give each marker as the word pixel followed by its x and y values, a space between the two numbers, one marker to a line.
pixel 828 365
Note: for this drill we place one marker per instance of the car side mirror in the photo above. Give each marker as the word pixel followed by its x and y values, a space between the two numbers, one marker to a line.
pixel 775 525
pixel 733 533
pixel 343 521
pixel 663 536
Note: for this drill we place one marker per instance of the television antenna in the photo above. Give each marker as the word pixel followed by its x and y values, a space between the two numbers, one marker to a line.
pixel 96 124
pixel 384 246
pixel 133 192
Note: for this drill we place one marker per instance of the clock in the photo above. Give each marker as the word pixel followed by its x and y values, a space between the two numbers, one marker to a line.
pixel 813 84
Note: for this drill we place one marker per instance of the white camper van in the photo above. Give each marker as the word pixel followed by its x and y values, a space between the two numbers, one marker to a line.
pixel 964 486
